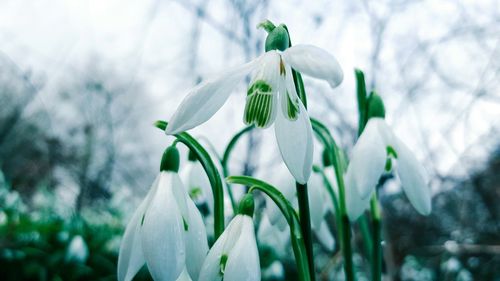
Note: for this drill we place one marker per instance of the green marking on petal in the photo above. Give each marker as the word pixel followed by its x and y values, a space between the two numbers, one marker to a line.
pixel 222 264
pixel 391 152
pixel 292 108
pixel 195 192
pixel 142 219
pixel 258 109
pixel 186 226
pixel 388 164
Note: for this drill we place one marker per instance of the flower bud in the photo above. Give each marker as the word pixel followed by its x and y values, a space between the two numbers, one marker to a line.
pixel 246 206
pixel 170 160
pixel 278 39
pixel 375 106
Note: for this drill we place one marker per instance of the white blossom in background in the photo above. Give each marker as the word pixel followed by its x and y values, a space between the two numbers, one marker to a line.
pixel 77 250
pixel 319 204
pixel 376 144
pixel 197 183
pixel 271 98
pixel 166 232
pixel 234 256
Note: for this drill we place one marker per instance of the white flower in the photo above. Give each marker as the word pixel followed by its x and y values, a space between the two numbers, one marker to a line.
pixel 77 250
pixel 197 183
pixel 271 98
pixel 166 232
pixel 234 256
pixel 367 164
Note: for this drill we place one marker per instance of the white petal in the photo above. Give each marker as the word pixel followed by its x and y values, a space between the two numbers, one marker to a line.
pixel 315 62
pixel 243 260
pixel 268 70
pixel 162 234
pixel 131 258
pixel 413 178
pixel 210 271
pixel 316 200
pixel 355 204
pixel 204 100
pixel 325 237
pixel 368 159
pixel 184 276
pixel 196 241
pixel 295 142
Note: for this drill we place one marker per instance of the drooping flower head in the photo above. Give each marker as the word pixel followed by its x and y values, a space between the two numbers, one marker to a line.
pixel 234 256
pixel 374 152
pixel 271 97
pixel 166 232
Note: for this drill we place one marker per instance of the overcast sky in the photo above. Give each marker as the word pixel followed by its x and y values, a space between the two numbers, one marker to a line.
pixel 151 42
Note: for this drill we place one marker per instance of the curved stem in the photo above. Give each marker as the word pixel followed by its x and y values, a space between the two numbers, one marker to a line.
pixel 225 161
pixel 305 225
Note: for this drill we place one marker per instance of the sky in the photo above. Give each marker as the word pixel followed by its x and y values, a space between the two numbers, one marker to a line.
pixel 151 43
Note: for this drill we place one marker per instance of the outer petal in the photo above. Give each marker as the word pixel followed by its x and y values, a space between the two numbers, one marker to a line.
pixel 243 260
pixel 316 200
pixel 368 159
pixel 162 234
pixel 204 100
pixel 355 204
pixel 210 271
pixel 314 62
pixel 413 178
pixel 196 241
pixel 131 258
pixel 295 142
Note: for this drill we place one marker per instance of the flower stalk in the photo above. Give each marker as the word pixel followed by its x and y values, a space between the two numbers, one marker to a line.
pixel 377 239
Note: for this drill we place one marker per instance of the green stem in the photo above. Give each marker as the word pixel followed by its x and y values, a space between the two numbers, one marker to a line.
pixel 225 161
pixel 333 197
pixel 366 234
pixel 305 224
pixel 377 239
pixel 346 225
pixel 326 138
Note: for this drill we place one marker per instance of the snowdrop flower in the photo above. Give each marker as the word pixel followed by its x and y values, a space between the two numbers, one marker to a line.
pixel 234 256
pixel 77 250
pixel 271 98
pixel 375 147
pixel 197 183
pixel 166 231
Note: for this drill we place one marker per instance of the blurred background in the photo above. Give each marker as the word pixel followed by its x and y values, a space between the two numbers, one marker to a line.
pixel 81 83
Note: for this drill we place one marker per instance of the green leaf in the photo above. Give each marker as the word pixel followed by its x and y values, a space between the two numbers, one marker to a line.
pixel 210 170
pixel 362 100
pixel 291 217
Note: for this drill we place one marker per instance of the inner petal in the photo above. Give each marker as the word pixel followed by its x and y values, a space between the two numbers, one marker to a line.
pixel 259 108
pixel 289 98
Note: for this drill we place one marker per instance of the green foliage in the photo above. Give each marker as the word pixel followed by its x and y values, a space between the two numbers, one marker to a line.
pixel 35 244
